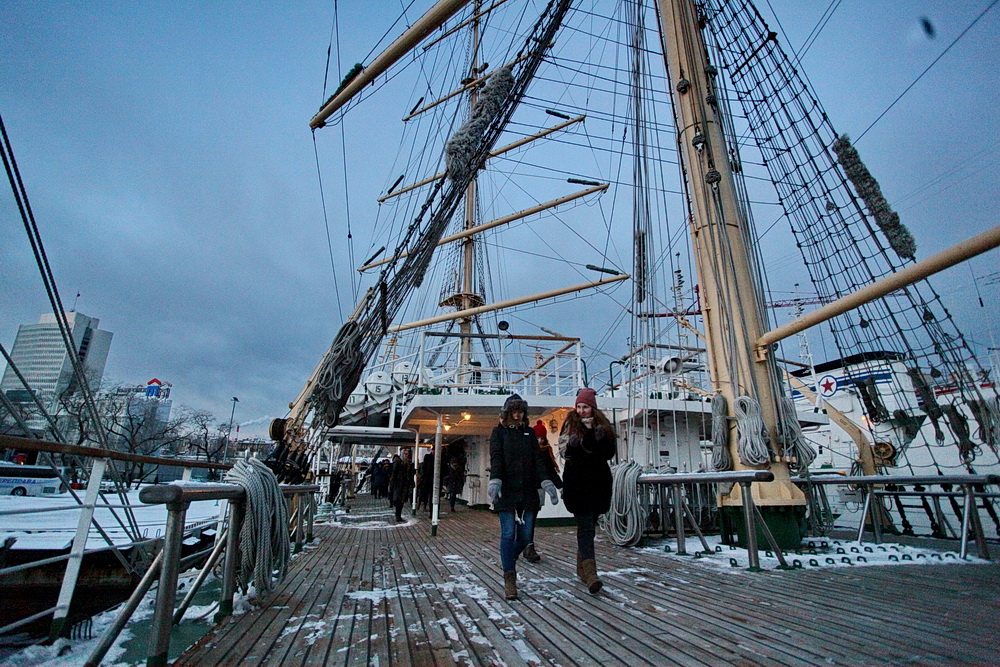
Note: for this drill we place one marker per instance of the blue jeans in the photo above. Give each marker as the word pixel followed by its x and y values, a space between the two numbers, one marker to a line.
pixel 514 536
pixel 586 528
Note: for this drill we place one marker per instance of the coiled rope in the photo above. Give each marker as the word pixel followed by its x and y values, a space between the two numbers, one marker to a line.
pixel 752 443
pixel 793 443
pixel 721 459
pixel 626 520
pixel 264 543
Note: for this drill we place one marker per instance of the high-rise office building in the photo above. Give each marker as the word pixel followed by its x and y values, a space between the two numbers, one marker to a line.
pixel 41 356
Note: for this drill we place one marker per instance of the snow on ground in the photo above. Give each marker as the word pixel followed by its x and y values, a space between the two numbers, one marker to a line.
pixel 815 552
pixel 131 647
pixel 55 528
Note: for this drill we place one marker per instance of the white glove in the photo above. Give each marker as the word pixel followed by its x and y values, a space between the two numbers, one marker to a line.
pixel 493 489
pixel 550 488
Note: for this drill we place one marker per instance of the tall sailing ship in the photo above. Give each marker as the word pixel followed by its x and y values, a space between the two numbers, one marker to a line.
pixel 565 163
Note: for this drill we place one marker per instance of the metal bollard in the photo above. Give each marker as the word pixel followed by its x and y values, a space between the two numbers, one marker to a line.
pixel 237 510
pixel 678 518
pixel 166 594
pixel 750 525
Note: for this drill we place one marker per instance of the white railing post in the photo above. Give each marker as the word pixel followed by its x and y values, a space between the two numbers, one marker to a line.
pixel 79 545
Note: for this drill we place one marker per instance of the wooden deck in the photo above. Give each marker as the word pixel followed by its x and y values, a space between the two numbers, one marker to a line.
pixel 393 595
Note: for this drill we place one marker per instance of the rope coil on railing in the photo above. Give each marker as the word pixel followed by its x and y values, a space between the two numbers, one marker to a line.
pixel 264 546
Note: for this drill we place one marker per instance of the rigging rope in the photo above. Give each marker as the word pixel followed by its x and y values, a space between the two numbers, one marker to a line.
pixel 839 239
pixel 790 438
pixel 721 458
pixel 361 335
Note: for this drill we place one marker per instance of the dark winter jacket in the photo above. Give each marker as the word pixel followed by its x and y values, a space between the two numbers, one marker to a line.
pixel 586 475
pixel 516 460
pixel 455 478
pixel 401 481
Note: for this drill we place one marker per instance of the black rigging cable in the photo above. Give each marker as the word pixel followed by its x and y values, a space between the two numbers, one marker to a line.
pixel 326 223
pixel 347 190
pixel 927 69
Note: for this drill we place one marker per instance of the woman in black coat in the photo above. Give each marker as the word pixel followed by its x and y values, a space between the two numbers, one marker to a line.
pixel 401 482
pixel 587 443
pixel 516 472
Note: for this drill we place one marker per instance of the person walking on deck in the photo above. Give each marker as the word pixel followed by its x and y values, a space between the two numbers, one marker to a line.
pixel 587 443
pixel 455 479
pixel 541 433
pixel 425 482
pixel 401 482
pixel 516 472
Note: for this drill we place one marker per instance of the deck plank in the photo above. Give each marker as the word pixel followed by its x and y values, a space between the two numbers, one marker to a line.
pixel 394 595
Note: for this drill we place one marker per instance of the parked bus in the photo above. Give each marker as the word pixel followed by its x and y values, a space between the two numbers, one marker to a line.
pixel 21 480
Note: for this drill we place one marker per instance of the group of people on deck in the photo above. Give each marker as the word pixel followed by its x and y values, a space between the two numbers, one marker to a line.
pixel 523 471
pixel 393 480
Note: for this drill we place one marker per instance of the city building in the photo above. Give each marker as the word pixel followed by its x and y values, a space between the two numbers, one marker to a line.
pixel 41 356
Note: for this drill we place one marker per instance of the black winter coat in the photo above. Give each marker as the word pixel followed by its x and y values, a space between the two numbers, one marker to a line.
pixel 401 482
pixel 586 475
pixel 516 460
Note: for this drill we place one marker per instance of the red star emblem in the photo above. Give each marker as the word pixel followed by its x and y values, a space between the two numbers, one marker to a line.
pixel 828 384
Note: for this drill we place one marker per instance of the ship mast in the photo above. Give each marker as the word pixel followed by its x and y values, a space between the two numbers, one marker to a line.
pixel 465 297
pixel 729 289
pixel 468 246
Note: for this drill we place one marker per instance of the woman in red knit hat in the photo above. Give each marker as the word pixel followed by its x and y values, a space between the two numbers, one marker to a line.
pixel 542 434
pixel 587 443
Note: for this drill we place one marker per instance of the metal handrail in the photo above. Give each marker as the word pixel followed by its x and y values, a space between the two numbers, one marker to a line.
pixel 78 548
pixel 752 517
pixel 177 497
pixel 35 445
pixel 897 479
pixel 866 483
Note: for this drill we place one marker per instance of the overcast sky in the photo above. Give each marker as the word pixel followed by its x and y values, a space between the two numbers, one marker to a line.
pixel 166 152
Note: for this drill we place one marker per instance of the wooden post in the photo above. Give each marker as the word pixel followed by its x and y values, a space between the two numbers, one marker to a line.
pixel 729 288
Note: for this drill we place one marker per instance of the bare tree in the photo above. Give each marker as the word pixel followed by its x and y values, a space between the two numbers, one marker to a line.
pixel 138 425
pixel 206 438
pixel 133 422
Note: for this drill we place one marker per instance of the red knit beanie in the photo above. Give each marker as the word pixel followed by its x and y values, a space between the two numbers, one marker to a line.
pixel 540 431
pixel 587 396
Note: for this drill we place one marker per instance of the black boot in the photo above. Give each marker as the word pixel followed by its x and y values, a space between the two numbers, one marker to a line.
pixel 530 554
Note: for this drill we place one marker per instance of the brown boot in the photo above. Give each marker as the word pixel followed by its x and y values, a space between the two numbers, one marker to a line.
pixel 588 570
pixel 579 569
pixel 510 585
pixel 530 554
